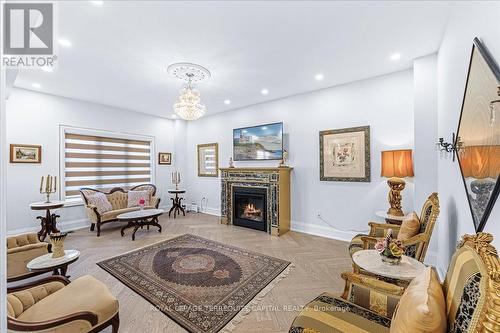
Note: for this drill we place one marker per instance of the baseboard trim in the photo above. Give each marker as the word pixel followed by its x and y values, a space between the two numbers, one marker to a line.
pixel 63 226
pixel 211 211
pixel 321 231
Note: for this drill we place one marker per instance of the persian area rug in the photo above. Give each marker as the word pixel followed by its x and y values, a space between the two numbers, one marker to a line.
pixel 203 285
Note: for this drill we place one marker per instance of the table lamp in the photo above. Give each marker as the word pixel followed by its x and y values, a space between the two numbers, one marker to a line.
pixel 396 164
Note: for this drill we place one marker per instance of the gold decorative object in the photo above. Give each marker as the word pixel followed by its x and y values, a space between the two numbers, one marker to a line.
pixel 57 241
pixel 395 165
pixel 208 160
pixel 176 179
pixel 50 186
pixel 391 250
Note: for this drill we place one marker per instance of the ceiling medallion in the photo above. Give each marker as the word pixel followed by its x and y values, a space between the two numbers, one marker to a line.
pixel 188 105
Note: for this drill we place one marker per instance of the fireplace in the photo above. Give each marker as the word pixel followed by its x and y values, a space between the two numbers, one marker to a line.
pixel 250 207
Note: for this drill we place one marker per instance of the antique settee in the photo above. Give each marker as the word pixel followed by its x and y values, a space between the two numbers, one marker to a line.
pixel 118 198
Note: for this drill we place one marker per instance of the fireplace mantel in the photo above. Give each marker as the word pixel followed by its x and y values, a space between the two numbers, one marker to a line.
pixel 277 183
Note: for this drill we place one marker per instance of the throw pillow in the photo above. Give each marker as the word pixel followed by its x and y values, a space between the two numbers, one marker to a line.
pixel 100 201
pixel 135 196
pixel 409 227
pixel 422 308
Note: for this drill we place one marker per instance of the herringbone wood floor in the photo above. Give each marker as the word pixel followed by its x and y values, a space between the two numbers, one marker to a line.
pixel 318 263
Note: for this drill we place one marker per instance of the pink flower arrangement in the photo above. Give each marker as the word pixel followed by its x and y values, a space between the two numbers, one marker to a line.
pixel 389 247
pixel 142 202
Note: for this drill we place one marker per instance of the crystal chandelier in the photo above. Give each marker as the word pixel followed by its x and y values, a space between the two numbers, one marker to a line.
pixel 188 105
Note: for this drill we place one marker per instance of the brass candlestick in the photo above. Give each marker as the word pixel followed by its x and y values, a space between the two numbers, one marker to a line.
pixel 50 186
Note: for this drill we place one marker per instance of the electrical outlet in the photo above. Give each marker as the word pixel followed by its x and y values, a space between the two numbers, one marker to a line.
pixel 319 215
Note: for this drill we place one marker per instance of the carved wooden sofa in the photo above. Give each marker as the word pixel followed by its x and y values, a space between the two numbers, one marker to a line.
pixel 22 249
pixel 55 305
pixel 416 246
pixel 468 301
pixel 118 198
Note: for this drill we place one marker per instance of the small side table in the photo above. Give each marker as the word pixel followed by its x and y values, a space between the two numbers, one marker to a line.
pixel 393 219
pixel 370 261
pixel 176 203
pixel 48 223
pixel 59 266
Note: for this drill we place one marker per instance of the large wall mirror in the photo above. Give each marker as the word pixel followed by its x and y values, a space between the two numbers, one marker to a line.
pixel 478 136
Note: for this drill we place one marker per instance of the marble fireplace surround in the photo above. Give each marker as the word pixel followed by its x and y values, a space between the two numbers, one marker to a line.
pixel 276 181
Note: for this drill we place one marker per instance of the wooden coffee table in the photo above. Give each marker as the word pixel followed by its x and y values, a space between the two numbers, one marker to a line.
pixel 59 266
pixel 370 261
pixel 140 218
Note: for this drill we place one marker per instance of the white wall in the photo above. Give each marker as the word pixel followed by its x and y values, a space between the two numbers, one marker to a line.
pixel 385 103
pixel 466 22
pixel 34 118
pixel 426 129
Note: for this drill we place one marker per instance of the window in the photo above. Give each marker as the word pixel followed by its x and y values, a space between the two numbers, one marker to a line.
pixel 103 160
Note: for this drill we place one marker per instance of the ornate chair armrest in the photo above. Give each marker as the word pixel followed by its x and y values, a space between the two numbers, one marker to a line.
pixel 382 227
pixel 91 209
pixel 420 238
pixel 18 325
pixel 373 283
pixel 369 240
pixel 156 202
pixel 54 278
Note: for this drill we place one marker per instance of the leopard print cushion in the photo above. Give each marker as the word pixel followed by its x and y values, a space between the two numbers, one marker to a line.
pixel 468 303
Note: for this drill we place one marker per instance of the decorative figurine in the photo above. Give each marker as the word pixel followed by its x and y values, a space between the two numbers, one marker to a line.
pixel 50 186
pixel 284 159
pixel 231 162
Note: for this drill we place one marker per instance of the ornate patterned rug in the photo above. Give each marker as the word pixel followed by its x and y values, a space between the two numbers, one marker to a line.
pixel 203 285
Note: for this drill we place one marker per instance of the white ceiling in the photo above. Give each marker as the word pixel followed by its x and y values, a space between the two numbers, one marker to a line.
pixel 121 49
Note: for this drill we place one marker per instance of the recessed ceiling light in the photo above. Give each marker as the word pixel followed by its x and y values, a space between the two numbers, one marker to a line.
pixel 36 85
pixel 395 56
pixel 264 91
pixel 64 42
pixel 319 77
pixel 97 2
pixel 227 101
pixel 47 69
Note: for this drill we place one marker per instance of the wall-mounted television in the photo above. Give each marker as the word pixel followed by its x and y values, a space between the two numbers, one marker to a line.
pixel 263 142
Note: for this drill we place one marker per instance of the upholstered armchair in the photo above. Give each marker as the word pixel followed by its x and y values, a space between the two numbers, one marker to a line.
pixel 21 250
pixel 469 301
pixel 55 305
pixel 416 246
pixel 118 198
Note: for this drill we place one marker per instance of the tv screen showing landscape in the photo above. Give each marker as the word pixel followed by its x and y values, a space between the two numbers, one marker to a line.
pixel 264 142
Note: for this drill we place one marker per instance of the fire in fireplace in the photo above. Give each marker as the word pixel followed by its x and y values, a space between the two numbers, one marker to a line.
pixel 249 207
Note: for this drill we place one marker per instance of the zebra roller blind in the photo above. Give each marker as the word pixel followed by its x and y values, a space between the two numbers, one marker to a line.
pixel 104 162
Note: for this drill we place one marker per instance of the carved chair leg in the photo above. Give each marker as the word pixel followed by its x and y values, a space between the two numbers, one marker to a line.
pixel 115 323
pixel 98 229
pixel 92 226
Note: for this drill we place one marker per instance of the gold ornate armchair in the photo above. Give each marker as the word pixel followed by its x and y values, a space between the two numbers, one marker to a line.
pixel 55 305
pixel 22 249
pixel 471 297
pixel 416 246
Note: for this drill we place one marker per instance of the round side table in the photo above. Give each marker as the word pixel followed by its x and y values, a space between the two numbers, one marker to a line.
pixel 370 261
pixel 176 203
pixel 59 266
pixel 393 219
pixel 47 222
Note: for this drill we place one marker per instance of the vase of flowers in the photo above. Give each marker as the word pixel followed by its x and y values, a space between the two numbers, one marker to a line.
pixel 141 203
pixel 391 250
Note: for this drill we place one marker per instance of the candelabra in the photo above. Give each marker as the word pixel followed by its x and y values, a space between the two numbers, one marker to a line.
pixel 50 186
pixel 452 147
pixel 176 179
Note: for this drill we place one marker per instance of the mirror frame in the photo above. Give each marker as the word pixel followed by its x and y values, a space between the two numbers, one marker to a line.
pixel 496 72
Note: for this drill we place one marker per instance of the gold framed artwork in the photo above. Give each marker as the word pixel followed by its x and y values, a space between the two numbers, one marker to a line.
pixel 345 154
pixel 208 160
pixel 165 158
pixel 20 153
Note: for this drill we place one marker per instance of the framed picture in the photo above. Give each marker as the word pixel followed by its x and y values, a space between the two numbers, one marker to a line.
pixel 165 158
pixel 25 153
pixel 344 154
pixel 208 160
